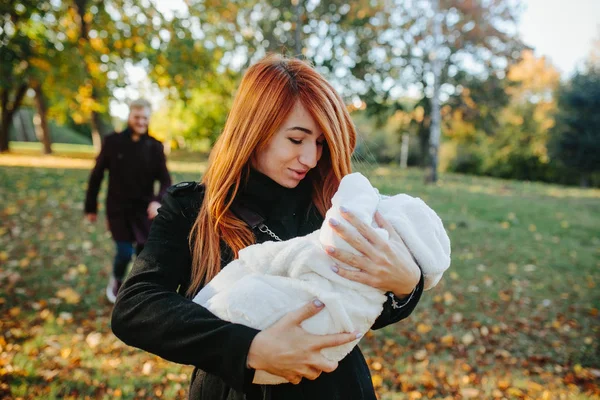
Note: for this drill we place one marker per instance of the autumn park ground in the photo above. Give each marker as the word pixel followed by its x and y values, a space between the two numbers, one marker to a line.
pixel 515 317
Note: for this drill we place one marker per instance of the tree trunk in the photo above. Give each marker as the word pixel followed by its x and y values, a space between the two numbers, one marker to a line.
pixel 4 125
pixel 298 30
pixel 95 121
pixel 27 129
pixel 40 120
pixel 20 128
pixel 8 111
pixel 434 137
pixel 96 131
pixel 4 137
pixel 404 151
pixel 424 134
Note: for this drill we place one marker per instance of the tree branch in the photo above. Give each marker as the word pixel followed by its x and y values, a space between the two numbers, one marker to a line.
pixel 19 97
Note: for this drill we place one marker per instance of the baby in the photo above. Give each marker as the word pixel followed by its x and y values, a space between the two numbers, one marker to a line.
pixel 269 280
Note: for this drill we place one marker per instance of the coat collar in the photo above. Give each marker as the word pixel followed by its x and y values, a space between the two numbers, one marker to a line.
pixel 127 132
pixel 269 199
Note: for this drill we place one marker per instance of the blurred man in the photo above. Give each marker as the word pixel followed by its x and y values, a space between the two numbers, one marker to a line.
pixel 134 162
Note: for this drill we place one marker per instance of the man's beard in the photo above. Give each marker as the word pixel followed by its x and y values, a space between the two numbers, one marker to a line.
pixel 130 127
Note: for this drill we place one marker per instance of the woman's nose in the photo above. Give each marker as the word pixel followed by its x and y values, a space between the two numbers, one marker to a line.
pixel 309 155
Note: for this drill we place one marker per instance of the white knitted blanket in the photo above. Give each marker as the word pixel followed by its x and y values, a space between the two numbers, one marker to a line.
pixel 269 280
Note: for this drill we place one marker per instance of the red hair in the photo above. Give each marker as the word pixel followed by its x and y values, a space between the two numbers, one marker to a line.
pixel 268 92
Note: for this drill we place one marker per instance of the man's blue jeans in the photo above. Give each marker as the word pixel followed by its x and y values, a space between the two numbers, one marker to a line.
pixel 123 257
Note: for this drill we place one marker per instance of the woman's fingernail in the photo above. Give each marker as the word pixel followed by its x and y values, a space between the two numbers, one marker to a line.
pixel 359 335
pixel 334 222
pixel 343 209
pixel 330 249
pixel 334 268
pixel 318 303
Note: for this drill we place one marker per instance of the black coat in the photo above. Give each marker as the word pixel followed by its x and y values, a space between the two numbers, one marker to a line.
pixel 133 167
pixel 152 313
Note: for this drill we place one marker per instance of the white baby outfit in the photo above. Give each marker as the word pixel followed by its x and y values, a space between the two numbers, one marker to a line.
pixel 269 280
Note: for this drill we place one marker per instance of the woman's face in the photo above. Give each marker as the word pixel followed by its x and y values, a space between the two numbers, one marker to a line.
pixel 294 149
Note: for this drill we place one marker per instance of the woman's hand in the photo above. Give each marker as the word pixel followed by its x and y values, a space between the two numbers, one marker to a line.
pixel 287 350
pixel 385 265
pixel 152 209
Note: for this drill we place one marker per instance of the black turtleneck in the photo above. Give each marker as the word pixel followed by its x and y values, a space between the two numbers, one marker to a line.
pixel 288 212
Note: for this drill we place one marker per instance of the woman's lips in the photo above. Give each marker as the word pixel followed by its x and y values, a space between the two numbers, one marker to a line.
pixel 299 174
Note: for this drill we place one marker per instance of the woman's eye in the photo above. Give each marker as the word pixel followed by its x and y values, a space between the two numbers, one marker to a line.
pixel 295 141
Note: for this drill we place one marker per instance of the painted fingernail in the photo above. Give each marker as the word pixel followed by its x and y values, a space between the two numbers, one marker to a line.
pixel 334 222
pixel 334 268
pixel 318 303
pixel 343 209
pixel 330 249
pixel 359 335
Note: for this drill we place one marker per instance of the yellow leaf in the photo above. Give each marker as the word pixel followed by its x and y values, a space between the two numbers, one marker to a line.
pixel 93 339
pixel 377 380
pixel 470 393
pixel 65 352
pixel 447 340
pixel 423 328
pixel 420 354
pixel 97 44
pixel 139 47
pixel 10 210
pixel 376 366
pixel 514 392
pixel 147 368
pixel 534 386
pixel 468 338
pixel 40 64
pixel 448 298
pixel 69 295
pixel 588 340
pixel 503 384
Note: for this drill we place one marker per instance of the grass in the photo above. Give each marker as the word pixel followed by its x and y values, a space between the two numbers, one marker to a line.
pixel 516 316
pixel 59 149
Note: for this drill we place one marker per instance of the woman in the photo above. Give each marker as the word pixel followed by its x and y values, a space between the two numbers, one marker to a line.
pixel 284 149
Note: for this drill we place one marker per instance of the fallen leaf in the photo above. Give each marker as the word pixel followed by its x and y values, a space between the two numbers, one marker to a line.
pixel 420 354
pixel 467 338
pixel 469 393
pixel 423 328
pixel 69 295
pixel 93 339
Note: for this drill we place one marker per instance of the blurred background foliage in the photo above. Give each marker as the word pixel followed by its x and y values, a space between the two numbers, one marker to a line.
pixel 505 112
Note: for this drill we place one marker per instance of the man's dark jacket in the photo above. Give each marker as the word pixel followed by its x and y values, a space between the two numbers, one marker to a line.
pixel 133 167
pixel 153 314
